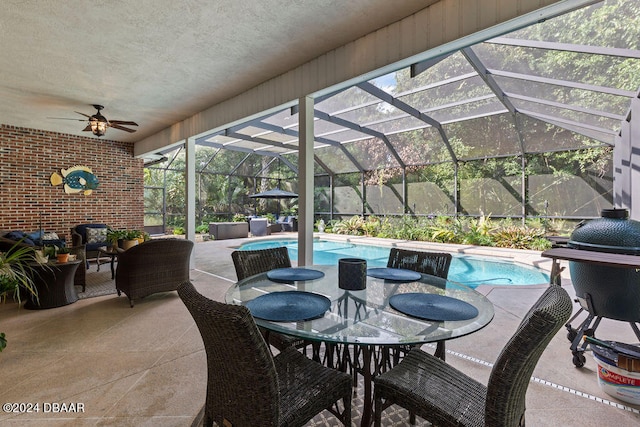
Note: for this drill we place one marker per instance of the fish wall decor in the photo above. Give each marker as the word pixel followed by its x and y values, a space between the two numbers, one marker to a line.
pixel 76 179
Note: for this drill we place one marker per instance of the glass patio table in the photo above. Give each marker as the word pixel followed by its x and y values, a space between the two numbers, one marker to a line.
pixel 361 331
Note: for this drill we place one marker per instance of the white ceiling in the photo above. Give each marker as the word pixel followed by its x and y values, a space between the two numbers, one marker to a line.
pixel 157 62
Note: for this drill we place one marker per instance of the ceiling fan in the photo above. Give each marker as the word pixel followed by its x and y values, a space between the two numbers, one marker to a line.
pixel 98 123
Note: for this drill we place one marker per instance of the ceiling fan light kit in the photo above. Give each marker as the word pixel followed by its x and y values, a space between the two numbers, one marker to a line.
pixel 98 123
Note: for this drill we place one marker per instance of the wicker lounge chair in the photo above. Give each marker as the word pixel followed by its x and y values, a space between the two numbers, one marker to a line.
pixel 444 396
pixel 246 385
pixel 92 236
pixel 433 263
pixel 155 266
pixel 250 263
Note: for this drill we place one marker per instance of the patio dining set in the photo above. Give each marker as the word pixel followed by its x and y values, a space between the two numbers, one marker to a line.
pixel 312 339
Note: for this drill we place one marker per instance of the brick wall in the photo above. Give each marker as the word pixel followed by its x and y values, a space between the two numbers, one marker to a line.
pixel 28 157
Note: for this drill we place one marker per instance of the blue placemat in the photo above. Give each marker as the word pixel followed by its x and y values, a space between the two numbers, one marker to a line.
pixel 433 307
pixel 293 274
pixel 289 306
pixel 395 274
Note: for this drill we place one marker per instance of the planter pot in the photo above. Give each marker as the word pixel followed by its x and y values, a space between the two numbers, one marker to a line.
pixel 41 258
pixel 126 244
pixel 62 257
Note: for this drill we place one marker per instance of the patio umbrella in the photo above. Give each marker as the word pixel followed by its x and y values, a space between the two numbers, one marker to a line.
pixel 275 193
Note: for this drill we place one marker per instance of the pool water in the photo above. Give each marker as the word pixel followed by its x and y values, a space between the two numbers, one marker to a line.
pixel 471 271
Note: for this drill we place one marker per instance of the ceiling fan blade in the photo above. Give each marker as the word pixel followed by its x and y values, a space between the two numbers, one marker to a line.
pixel 66 118
pixel 116 126
pixel 83 114
pixel 121 122
pixel 87 129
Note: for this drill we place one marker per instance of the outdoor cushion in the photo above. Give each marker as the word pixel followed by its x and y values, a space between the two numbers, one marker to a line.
pixel 96 235
pixel 42 238
pixel 14 235
pixel 18 235
pixel 36 235
pixel 81 229
pixel 82 236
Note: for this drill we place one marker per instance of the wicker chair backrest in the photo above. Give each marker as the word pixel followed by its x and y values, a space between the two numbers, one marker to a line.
pixel 241 376
pixel 510 376
pixel 433 263
pixel 250 263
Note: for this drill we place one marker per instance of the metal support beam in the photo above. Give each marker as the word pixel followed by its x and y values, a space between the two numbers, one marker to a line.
pixel 481 69
pixel 591 111
pixel 320 139
pixel 354 126
pixel 422 66
pixel 405 188
pixel 566 83
pixel 567 47
pixel 244 159
pixel 208 162
pixel 379 93
pixel 190 194
pixel 305 182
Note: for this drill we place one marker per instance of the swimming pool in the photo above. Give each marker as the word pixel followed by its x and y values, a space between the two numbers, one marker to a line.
pixel 469 270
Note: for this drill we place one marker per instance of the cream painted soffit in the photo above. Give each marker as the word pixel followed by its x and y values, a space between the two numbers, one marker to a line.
pixel 442 27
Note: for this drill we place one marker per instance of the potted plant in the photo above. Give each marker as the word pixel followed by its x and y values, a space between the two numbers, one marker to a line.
pixel 138 235
pixel 130 238
pixel 50 251
pixel 115 236
pixel 15 277
pixel 63 254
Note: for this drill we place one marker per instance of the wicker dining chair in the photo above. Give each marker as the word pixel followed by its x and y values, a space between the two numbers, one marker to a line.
pixel 250 263
pixel 444 396
pixel 246 385
pixel 433 263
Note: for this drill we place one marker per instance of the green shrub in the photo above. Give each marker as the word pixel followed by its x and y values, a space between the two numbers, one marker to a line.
pixel 178 230
pixel 477 239
pixel 481 231
pixel 371 227
pixel 239 217
pixel 518 237
pixel 446 230
pixel 353 226
pixel 202 229
pixel 408 229
pixel 540 244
